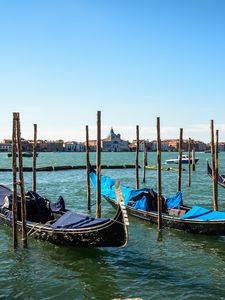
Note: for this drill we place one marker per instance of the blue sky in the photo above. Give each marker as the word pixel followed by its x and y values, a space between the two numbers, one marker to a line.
pixel 61 61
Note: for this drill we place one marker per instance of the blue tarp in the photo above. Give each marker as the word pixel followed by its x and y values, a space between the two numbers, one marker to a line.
pixel 73 220
pixel 108 189
pixel 203 214
pixel 174 201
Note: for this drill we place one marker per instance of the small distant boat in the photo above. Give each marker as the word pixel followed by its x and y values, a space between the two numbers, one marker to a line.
pixel 207 151
pixel 24 154
pixel 184 160
pixel 153 168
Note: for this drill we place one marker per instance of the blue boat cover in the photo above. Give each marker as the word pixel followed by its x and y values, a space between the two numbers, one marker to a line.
pixel 174 201
pixel 140 196
pixel 73 220
pixel 203 214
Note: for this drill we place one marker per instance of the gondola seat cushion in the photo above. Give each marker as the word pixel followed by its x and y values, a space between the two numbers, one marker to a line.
pixel 74 220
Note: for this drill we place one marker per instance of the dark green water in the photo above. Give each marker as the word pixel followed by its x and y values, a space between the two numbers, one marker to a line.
pixel 180 266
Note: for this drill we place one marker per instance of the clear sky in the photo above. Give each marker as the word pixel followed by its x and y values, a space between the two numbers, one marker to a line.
pixel 63 60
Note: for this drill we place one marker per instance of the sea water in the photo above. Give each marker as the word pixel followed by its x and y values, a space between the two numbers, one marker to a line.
pixel 178 266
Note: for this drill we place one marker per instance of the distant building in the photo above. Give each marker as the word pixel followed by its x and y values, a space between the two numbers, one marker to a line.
pixel 165 146
pixel 50 146
pixel 114 143
pixel 73 147
pixel 149 145
pixel 5 147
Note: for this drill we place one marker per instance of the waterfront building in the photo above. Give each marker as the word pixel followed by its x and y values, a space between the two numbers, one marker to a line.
pixel 5 147
pixel 73 147
pixel 114 143
pixel 50 146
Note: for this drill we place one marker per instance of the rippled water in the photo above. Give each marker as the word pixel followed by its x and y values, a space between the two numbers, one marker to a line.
pixel 179 266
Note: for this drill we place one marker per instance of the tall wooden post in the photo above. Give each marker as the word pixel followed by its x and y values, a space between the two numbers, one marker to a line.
pixel 22 190
pixel 193 158
pixel 180 160
pixel 145 161
pixel 189 162
pixel 215 205
pixel 14 170
pixel 88 170
pixel 98 167
pixel 137 157
pixel 159 196
pixel 34 158
pixel 216 168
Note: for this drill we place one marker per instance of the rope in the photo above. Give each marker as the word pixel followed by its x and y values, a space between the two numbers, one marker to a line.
pixel 33 226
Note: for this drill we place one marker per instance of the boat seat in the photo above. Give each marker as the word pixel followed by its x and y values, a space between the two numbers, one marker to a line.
pixel 176 212
pixel 74 220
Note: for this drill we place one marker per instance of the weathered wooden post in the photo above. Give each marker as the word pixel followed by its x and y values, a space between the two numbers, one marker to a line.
pixel 34 158
pixel 14 170
pixel 215 205
pixel 145 161
pixel 180 160
pixel 159 197
pixel 137 157
pixel 88 170
pixel 98 167
pixel 216 167
pixel 189 162
pixel 22 190
pixel 193 157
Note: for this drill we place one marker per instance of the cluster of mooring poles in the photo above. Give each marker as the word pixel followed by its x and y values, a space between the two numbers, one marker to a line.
pixel 191 162
pixel 17 152
pixel 145 163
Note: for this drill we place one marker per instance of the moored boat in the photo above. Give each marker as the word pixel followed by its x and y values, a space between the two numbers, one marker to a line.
pixel 221 178
pixel 142 204
pixel 154 168
pixel 184 160
pixel 54 223
pixel 24 154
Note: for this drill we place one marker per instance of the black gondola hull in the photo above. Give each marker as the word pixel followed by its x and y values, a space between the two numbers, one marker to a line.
pixel 193 226
pixel 113 233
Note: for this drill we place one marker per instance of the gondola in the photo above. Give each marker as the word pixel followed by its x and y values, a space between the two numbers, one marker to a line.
pixel 142 204
pixel 221 178
pixel 54 223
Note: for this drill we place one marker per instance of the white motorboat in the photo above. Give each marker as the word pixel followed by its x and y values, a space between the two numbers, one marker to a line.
pixel 184 160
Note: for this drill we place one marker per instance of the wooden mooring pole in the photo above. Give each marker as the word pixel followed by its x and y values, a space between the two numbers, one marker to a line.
pixel 14 172
pixel 216 167
pixel 193 158
pixel 159 196
pixel 34 186
pixel 215 204
pixel 98 167
pixel 137 157
pixel 189 162
pixel 22 190
pixel 88 170
pixel 145 160
pixel 180 160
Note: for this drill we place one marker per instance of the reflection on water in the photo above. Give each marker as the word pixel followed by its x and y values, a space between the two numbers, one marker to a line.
pixel 177 265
